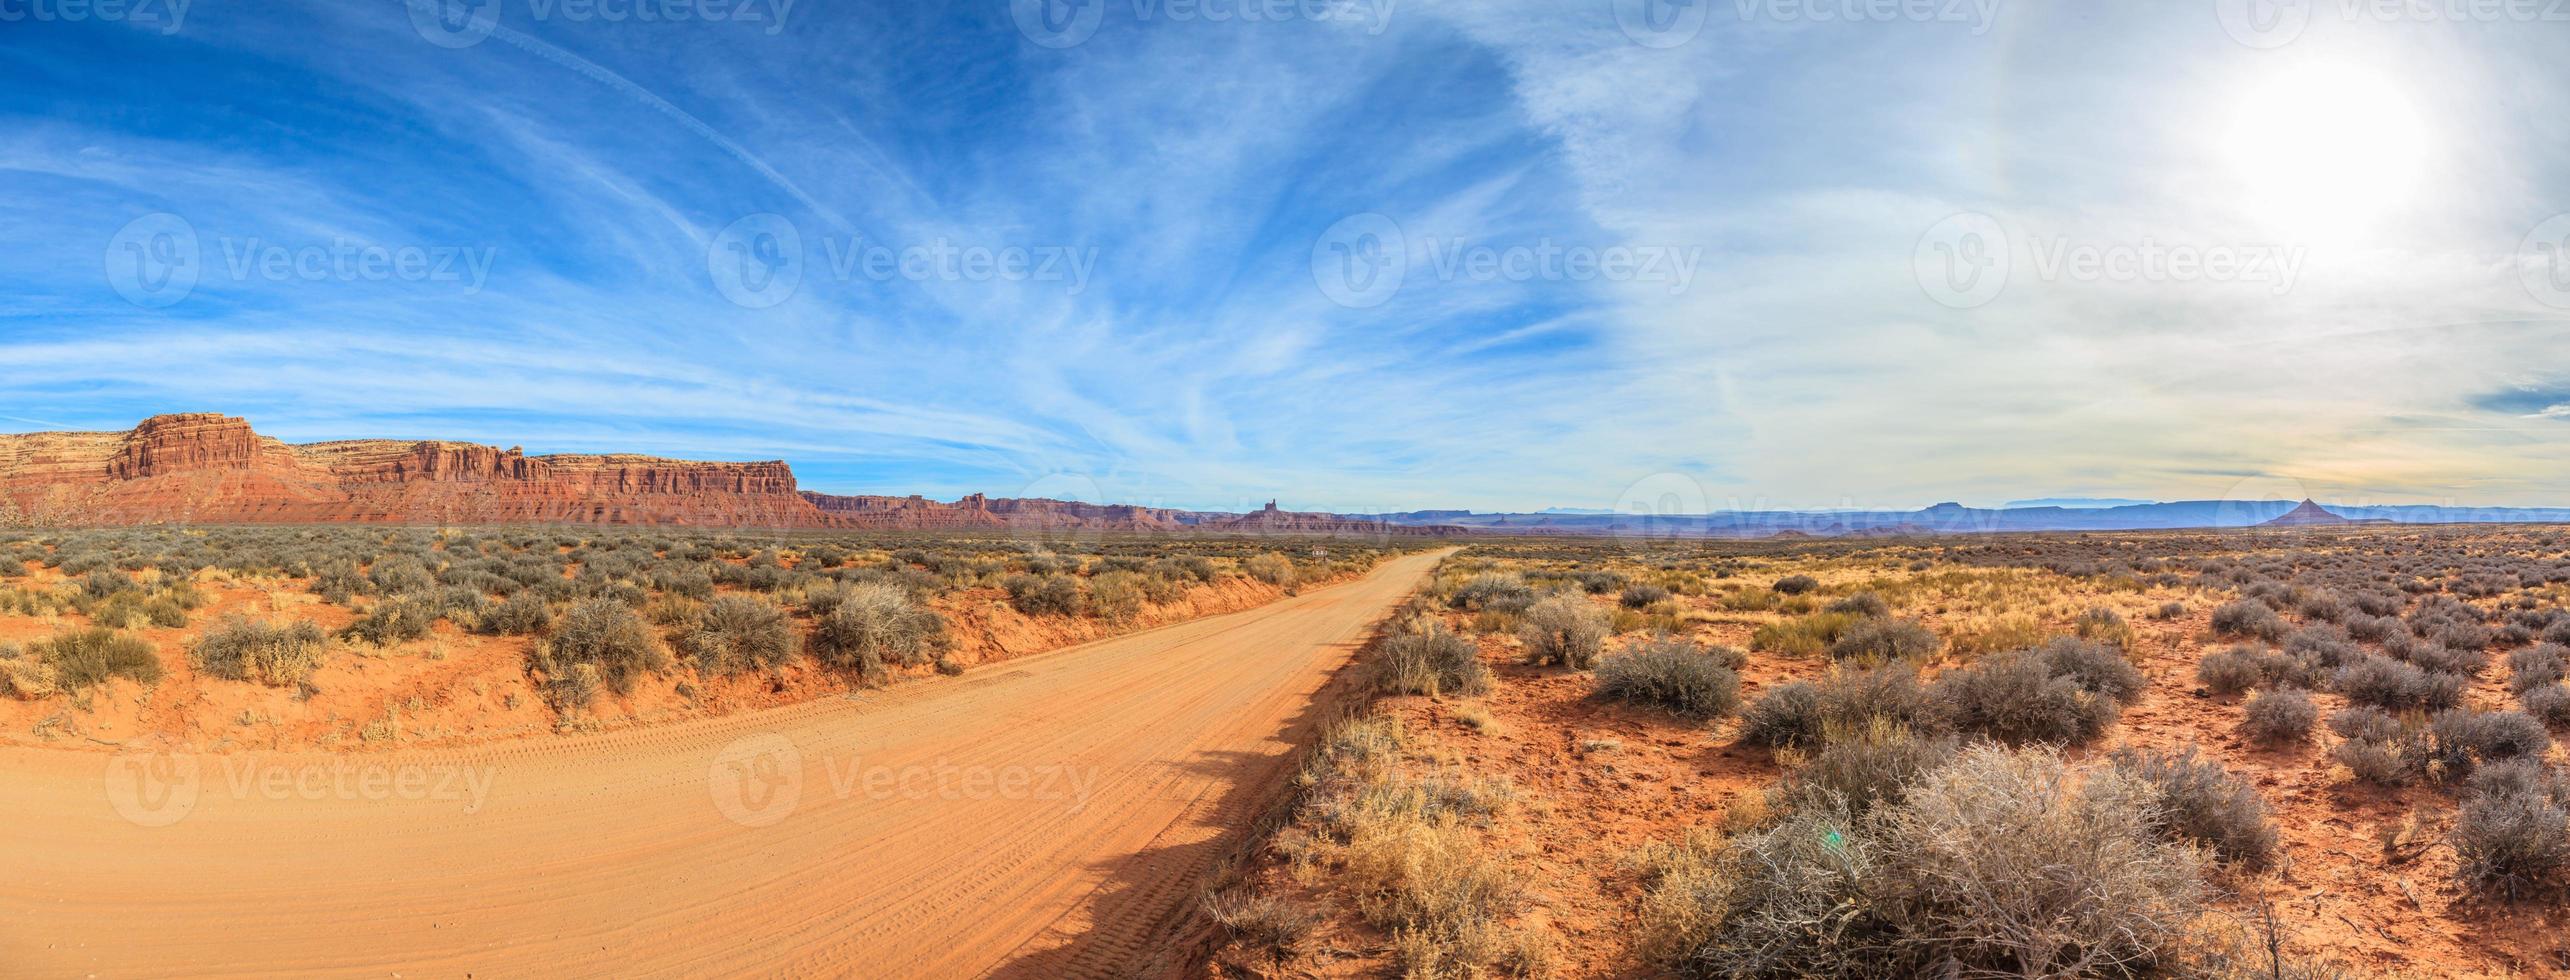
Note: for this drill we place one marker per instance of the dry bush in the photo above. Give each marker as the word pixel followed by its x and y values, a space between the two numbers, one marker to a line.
pixel 1273 926
pixel 1674 675
pixel 82 658
pixel 1641 596
pixel 1564 630
pixel 523 613
pixel 1502 592
pixel 1053 594
pixel 1430 660
pixel 1999 863
pixel 1270 567
pixel 1878 640
pixel 394 620
pixel 2280 716
pixel 1787 716
pixel 2017 699
pixel 2102 625
pixel 2377 747
pixel 738 633
pixel 2227 672
pixel 872 625
pixel 2537 666
pixel 277 655
pixel 2512 833
pixel 2463 739
pixel 1868 765
pixel 2250 618
pixel 2200 801
pixel 1802 713
pixel 1861 604
pixel 1117 597
pixel 2389 684
pixel 2549 704
pixel 2096 667
pixel 1796 584
pixel 604 635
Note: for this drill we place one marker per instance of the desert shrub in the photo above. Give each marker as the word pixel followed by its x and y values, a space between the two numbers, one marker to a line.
pixel 399 575
pixel 2095 667
pixel 1803 636
pixel 104 582
pixel 2395 686
pixel 2171 609
pixel 2463 739
pixel 1564 630
pixel 2325 646
pixel 394 620
pixel 244 649
pixel 1787 716
pixel 2229 671
pixel 2366 724
pixel 2512 836
pixel 873 624
pixel 1269 567
pixel 85 657
pixel 2377 747
pixel 2102 625
pixel 2250 618
pixel 523 613
pixel 605 635
pixel 2541 665
pixel 2280 715
pixel 1868 765
pixel 2549 704
pixel 739 633
pixel 1641 596
pixel 1860 604
pixel 1998 863
pixel 1431 661
pixel 2200 801
pixel 1116 597
pixel 2016 699
pixel 1796 584
pixel 1674 675
pixel 1882 640
pixel 1051 594
pixel 1495 592
pixel 1600 581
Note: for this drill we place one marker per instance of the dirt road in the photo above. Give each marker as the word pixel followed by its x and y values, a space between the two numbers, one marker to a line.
pixel 1040 817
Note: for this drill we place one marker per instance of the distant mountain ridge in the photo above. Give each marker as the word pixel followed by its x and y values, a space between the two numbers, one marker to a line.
pixel 1955 518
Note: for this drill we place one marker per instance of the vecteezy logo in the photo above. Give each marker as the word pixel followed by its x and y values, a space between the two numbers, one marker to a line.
pixel 757 261
pixel 2263 24
pixel 1359 261
pixel 1660 23
pixel 453 23
pixel 1057 23
pixel 153 261
pixel 1963 261
pixel 152 787
pixel 2543 262
pixel 1658 506
pixel 756 781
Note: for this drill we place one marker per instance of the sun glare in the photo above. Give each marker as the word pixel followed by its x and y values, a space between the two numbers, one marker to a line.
pixel 2324 152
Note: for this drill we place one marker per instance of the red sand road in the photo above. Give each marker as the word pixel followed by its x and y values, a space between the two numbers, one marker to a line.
pixel 1047 816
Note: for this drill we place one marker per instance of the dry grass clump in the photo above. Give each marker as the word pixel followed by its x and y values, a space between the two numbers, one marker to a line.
pixel 1998 863
pixel 1117 597
pixel 82 658
pixel 2200 801
pixel 1804 636
pixel 1563 630
pixel 871 626
pixel 1410 852
pixel 274 654
pixel 1674 675
pixel 1875 639
pixel 739 633
pixel 1426 658
pixel 597 641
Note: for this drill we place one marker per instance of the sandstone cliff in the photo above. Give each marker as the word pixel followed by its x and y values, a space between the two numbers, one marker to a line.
pixel 213 469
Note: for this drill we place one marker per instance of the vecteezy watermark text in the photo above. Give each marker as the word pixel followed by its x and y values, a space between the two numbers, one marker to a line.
pixel 758 781
pixel 158 259
pixel 760 260
pixel 465 23
pixel 168 15
pixel 1069 23
pixel 1967 260
pixel 159 787
pixel 2276 23
pixel 1363 260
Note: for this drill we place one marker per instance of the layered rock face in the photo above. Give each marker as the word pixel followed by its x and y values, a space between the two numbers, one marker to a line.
pixel 207 468
pixel 213 469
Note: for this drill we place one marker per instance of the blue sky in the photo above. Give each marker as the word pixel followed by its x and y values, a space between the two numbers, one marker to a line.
pixel 1756 253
